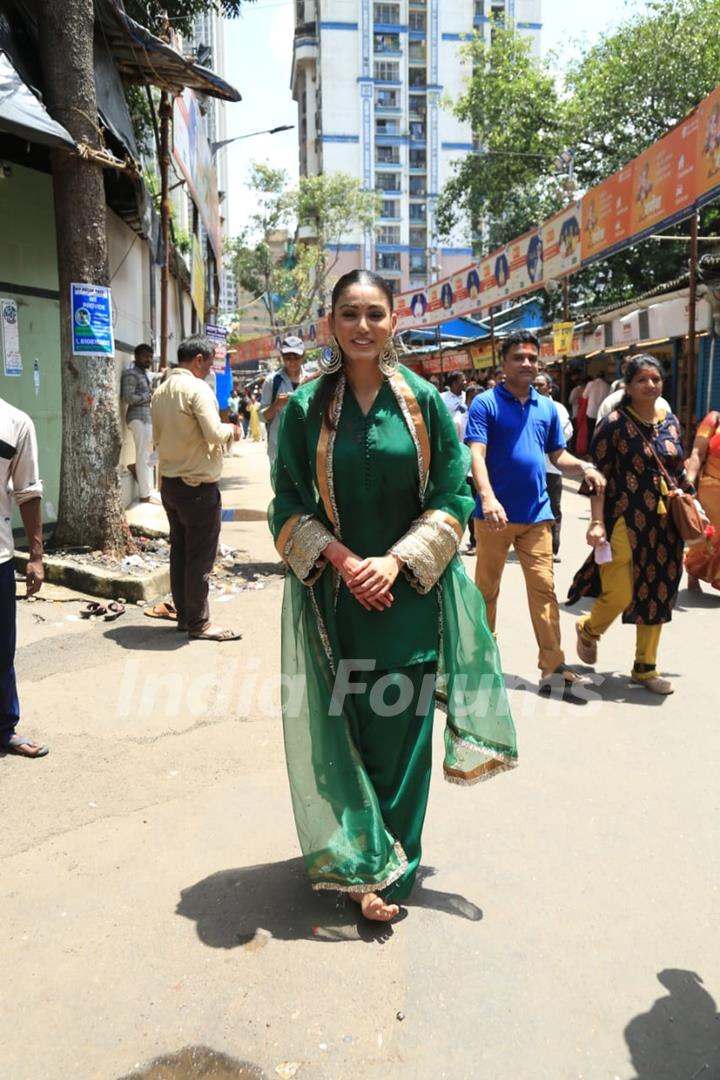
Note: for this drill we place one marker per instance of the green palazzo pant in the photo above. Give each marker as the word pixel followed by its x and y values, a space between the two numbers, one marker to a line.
pixel 397 753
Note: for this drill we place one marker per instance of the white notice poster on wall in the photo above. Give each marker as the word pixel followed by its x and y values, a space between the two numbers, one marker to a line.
pixel 10 338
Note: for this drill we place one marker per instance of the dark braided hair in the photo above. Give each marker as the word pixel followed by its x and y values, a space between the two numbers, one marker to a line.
pixel 328 383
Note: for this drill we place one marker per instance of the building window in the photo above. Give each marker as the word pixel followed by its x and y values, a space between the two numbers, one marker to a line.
pixel 417 130
pixel 479 9
pixel 418 263
pixel 387 182
pixel 389 234
pixel 387 13
pixel 386 99
pixel 418 185
pixel 416 52
pixel 387 71
pixel 387 155
pixel 418 212
pixel 390 208
pixel 417 76
pixel 385 261
pixel 417 105
pixel 418 158
pixel 418 238
pixel 416 20
pixel 387 127
pixel 387 43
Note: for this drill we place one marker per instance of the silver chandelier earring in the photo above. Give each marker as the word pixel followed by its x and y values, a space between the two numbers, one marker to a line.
pixel 389 360
pixel 330 358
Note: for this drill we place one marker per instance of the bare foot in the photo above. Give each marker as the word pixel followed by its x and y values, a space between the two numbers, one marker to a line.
pixel 374 907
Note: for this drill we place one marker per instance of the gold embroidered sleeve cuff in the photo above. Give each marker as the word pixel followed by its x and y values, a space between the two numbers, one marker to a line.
pixel 427 548
pixel 300 545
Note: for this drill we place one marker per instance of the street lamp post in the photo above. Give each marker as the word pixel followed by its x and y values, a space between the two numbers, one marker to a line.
pixel 214 147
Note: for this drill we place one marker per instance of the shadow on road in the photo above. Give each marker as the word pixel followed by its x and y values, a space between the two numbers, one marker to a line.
pixel 197 1063
pixel 248 906
pixel 164 637
pixel 680 1036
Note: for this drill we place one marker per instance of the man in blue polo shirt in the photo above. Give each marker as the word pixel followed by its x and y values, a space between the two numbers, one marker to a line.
pixel 510 429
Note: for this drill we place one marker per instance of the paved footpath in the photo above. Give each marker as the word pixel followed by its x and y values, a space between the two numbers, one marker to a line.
pixel 152 899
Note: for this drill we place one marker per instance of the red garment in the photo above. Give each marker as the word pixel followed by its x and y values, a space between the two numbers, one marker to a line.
pixel 581 428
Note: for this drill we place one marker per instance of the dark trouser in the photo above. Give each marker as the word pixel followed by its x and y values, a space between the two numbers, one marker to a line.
pixel 590 430
pixel 194 514
pixel 554 486
pixel 9 705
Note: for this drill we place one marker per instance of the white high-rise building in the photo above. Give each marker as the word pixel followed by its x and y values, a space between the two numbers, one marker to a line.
pixel 368 78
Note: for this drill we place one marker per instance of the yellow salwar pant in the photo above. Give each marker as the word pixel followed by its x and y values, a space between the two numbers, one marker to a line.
pixel 616 578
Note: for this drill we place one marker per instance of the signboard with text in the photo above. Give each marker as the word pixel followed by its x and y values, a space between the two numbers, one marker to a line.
pixel 91 313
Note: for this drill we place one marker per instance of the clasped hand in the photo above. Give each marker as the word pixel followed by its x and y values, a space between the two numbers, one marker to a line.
pixel 368 580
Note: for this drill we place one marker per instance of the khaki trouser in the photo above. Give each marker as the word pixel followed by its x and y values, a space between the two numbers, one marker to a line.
pixel 533 544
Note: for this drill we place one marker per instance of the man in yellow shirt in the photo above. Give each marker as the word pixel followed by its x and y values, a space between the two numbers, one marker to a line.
pixel 190 440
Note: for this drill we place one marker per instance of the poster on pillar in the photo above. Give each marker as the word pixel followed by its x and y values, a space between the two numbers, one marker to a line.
pixel 197 279
pixel 606 213
pixel 664 183
pixel 10 338
pixel 92 324
pixel 562 245
pixel 218 335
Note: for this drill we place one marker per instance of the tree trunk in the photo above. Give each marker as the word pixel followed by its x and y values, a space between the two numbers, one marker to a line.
pixel 89 511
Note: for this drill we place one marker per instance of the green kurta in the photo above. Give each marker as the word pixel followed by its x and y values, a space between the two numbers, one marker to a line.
pixel 395 478
pixel 378 498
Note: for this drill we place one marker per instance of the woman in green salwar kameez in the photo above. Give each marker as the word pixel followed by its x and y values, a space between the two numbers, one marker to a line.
pixel 371 501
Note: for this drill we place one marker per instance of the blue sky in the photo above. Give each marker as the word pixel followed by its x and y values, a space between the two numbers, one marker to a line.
pixel 259 53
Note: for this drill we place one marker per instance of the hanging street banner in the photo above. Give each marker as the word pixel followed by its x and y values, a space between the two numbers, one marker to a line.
pixel 193 155
pixel 10 338
pixel 197 278
pixel 562 243
pixel 91 313
pixel 314 334
pixel 707 154
pixel 562 333
pixel 664 180
pixel 606 212
pixel 218 335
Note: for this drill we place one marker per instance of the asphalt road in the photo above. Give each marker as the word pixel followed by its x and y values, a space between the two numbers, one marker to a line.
pixel 152 897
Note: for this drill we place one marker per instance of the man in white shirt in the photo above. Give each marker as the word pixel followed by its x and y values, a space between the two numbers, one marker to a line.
pixel 595 393
pixel 20 483
pixel 543 385
pixel 615 398
pixel 454 398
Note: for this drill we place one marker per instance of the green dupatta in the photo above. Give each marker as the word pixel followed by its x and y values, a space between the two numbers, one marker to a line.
pixel 343 838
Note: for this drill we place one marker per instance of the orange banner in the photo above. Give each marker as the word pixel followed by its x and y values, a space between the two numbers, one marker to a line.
pixel 664 185
pixel 561 243
pixel 525 256
pixel 708 147
pixel 606 214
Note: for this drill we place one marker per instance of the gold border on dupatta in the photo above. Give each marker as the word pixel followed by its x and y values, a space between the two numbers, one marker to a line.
pixel 324 455
pixel 285 533
pixel 416 423
pixel 443 518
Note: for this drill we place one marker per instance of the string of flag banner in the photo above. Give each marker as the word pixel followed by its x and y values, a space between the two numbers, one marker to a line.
pixel 665 184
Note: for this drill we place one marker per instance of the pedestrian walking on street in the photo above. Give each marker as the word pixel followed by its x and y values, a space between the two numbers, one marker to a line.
pixel 702 561
pixel 254 421
pixel 278 387
pixel 594 394
pixel 136 392
pixel 639 576
pixel 19 482
pixel 454 398
pixel 553 476
pixel 510 430
pixel 190 440
pixel 370 506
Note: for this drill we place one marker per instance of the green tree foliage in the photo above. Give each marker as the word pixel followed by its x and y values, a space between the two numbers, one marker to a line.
pixel 318 212
pixel 154 14
pixel 617 98
pixel 511 101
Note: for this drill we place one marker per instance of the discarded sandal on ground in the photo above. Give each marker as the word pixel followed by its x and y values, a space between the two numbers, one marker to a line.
pixel 114 610
pixel 212 634
pixel 93 610
pixel 656 684
pixel 18 741
pixel 164 610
